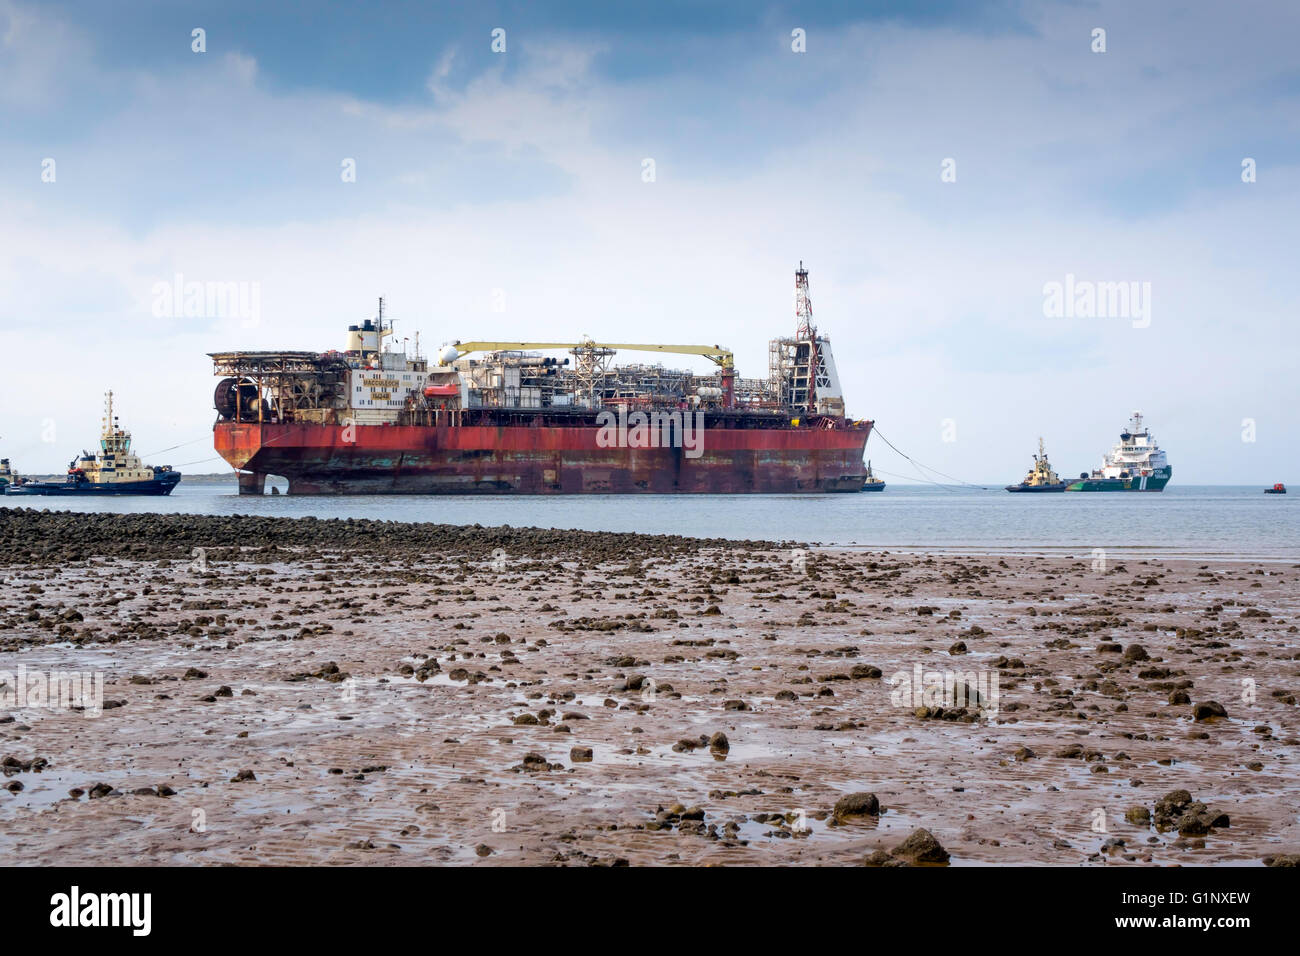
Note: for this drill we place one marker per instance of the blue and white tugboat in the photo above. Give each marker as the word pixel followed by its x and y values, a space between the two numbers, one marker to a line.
pixel 873 483
pixel 113 470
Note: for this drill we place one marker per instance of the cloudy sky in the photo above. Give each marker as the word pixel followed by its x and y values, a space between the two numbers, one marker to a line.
pixel 503 195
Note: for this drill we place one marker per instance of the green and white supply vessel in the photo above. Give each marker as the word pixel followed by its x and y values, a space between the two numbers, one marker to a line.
pixel 1135 464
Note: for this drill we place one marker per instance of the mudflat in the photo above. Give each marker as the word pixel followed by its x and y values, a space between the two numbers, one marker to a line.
pixel 294 691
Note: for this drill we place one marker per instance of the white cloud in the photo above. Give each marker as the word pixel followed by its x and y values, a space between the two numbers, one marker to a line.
pixel 241 67
pixel 39 56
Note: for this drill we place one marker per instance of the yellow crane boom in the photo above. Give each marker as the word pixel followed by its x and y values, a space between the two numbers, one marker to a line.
pixel 715 353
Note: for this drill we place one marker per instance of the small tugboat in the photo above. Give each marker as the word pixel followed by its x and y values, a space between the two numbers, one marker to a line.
pixel 1040 477
pixel 873 483
pixel 1135 464
pixel 113 470
pixel 1278 489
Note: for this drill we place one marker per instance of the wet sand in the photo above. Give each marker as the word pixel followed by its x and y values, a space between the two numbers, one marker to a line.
pixel 331 692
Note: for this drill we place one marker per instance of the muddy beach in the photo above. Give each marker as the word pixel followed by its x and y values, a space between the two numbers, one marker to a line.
pixel 281 691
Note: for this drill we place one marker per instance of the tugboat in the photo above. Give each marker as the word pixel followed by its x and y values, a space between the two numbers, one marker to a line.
pixel 1278 489
pixel 873 483
pixel 113 470
pixel 7 476
pixel 1135 464
pixel 1040 477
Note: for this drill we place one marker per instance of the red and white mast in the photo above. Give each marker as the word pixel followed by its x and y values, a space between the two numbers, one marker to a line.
pixel 806 331
pixel 803 305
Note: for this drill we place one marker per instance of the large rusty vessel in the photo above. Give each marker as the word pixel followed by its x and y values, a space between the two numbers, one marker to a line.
pixel 514 419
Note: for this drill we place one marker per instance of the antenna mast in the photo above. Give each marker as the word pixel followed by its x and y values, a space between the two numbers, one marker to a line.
pixel 803 304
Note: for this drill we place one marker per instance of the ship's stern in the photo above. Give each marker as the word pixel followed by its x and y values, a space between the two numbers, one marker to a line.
pixel 239 444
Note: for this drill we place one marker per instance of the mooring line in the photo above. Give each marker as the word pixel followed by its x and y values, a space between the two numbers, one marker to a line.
pixel 916 464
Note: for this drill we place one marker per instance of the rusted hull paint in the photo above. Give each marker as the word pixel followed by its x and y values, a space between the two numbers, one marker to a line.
pixel 397 459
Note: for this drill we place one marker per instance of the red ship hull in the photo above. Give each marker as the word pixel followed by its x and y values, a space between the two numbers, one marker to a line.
pixel 524 459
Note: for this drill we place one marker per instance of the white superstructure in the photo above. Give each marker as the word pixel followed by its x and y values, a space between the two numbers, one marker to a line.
pixel 1135 455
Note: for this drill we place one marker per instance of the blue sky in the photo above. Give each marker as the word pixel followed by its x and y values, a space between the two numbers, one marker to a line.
pixel 515 177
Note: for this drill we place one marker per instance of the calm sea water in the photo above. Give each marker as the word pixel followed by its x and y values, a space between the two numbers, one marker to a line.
pixel 1180 521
